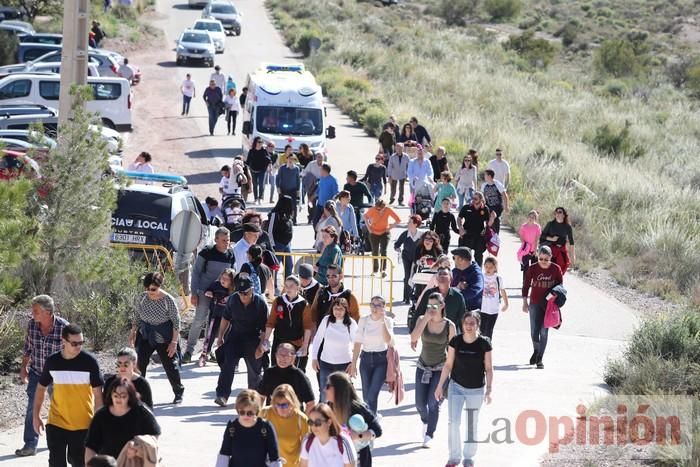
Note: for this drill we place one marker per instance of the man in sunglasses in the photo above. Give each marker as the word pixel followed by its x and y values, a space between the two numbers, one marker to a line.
pixel 241 335
pixel 467 278
pixel 454 302
pixel 286 372
pixel 77 395
pixel 43 339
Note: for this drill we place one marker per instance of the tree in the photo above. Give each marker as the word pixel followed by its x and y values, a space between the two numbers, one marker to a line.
pixel 34 8
pixel 76 216
pixel 455 11
pixel 502 9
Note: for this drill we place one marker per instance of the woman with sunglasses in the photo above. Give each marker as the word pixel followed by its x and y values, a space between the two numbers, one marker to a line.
pixel 249 441
pixel 343 399
pixel 126 368
pixel 555 235
pixel 156 328
pixel 466 180
pixel 470 373
pixel 326 445
pixel 375 333
pixel 378 220
pixel 330 254
pixel 407 136
pixel 122 417
pixel 540 278
pixel 435 332
pixel 290 423
pixel 407 243
pixel 334 337
pixel 375 176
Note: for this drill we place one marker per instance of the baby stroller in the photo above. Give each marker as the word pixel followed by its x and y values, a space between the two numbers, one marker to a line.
pixel 423 200
pixel 419 280
pixel 233 208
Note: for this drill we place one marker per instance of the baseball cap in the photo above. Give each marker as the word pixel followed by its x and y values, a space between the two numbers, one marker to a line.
pixel 243 284
pixel 306 271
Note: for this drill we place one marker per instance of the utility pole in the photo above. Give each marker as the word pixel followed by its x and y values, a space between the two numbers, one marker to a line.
pixel 74 53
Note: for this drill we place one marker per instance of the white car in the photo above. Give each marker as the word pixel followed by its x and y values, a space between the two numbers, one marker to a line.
pixel 216 31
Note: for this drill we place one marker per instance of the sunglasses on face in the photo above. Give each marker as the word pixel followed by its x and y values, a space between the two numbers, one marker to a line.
pixel 318 422
pixel 377 305
pixel 246 292
pixel 247 413
pixel 559 212
pixel 284 405
pixel 120 395
pixel 543 260
pixel 432 306
pixel 76 343
pixel 123 364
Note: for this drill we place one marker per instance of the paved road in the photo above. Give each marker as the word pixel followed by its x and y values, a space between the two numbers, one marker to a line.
pixel 594 325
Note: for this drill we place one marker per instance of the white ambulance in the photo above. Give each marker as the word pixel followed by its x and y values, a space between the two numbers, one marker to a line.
pixel 285 105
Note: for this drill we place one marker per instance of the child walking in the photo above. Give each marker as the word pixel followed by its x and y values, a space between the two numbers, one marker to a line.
pixel 494 293
pixel 218 291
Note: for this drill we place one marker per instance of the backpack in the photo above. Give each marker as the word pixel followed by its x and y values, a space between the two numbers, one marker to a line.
pixel 310 441
pixel 253 275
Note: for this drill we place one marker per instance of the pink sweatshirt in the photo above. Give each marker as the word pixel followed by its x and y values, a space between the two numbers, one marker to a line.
pixel 530 233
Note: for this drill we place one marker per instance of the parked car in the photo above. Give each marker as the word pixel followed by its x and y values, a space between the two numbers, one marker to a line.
pixel 216 31
pixel 196 3
pixel 42 38
pixel 8 12
pixel 112 97
pixel 37 139
pixel 26 109
pixel 195 45
pixel 227 13
pixel 17 27
pixel 119 59
pixel 29 51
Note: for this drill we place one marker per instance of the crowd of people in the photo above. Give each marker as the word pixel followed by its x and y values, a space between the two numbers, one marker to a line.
pixel 245 311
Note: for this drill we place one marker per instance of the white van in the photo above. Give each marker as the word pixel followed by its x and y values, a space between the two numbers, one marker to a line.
pixel 285 105
pixel 112 96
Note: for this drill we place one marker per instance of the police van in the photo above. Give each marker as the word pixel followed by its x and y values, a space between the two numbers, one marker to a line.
pixel 284 105
pixel 159 209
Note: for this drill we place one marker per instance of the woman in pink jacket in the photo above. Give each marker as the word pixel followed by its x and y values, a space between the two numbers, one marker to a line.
pixel 529 233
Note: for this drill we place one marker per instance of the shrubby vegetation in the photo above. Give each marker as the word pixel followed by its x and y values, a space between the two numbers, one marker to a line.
pixel 470 92
pixel 538 53
pixel 57 243
pixel 502 9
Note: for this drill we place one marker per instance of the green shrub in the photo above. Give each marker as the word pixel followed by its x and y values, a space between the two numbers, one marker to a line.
pixel 455 11
pixel 303 41
pixel 693 81
pixel 538 53
pixel 372 119
pixel 455 151
pixel 357 84
pixel 11 336
pixel 616 88
pixel 618 57
pixel 500 10
pixel 613 141
pixel 124 12
pixel 568 33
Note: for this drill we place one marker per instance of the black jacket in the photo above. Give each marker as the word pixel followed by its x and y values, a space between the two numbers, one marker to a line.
pixel 258 160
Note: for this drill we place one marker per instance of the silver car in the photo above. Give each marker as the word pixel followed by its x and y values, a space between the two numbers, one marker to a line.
pixel 227 13
pixel 195 45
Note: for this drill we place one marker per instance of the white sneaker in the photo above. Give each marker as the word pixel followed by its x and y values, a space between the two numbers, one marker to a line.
pixel 424 430
pixel 426 441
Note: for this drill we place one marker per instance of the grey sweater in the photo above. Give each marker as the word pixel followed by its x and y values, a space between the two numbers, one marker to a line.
pixel 288 179
pixel 208 267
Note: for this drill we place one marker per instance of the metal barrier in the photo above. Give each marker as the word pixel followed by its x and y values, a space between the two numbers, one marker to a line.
pixel 357 270
pixel 155 256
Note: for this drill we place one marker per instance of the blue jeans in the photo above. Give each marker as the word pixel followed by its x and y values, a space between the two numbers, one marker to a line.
pixel 213 117
pixel 186 104
pixel 428 407
pixel 465 197
pixel 376 189
pixel 271 178
pixel 258 184
pixel 327 369
pixel 31 439
pixel 538 332
pixel 373 373
pixel 460 399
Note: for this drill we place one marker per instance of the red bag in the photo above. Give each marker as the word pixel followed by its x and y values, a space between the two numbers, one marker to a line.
pixel 552 315
pixel 493 241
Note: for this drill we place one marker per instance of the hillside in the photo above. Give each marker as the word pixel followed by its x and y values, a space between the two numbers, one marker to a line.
pixel 609 135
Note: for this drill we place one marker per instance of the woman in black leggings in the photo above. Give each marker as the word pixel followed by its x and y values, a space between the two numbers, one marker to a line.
pixel 232 107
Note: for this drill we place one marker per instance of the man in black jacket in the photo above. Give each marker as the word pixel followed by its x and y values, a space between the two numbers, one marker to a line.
pixel 213 97
pixel 422 135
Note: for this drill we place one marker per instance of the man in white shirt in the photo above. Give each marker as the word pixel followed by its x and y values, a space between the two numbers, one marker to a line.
pixel 218 78
pixel 188 92
pixel 495 197
pixel 419 169
pixel 125 71
pixel 501 168
pixel 314 167
pixel 251 232
pixel 142 163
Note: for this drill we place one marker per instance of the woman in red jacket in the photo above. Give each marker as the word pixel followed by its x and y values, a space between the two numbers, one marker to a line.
pixel 539 279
